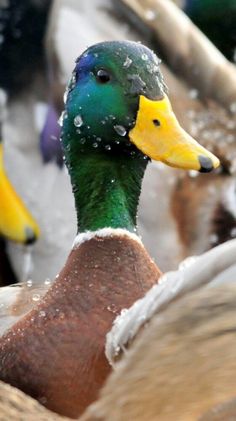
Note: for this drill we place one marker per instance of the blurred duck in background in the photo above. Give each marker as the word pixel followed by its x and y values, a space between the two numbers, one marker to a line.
pixel 16 223
pixel 217 20
pixel 24 78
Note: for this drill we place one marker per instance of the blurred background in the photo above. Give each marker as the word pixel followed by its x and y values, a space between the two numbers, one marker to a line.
pixel 181 214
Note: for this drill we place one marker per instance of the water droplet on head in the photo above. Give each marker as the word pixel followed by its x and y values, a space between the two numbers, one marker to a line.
pixel 35 297
pixel 65 96
pixel 78 121
pixel 61 118
pixel 72 82
pixel 120 130
pixel 144 57
pixel 127 62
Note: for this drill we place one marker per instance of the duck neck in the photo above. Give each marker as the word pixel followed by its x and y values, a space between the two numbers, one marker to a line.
pixel 106 188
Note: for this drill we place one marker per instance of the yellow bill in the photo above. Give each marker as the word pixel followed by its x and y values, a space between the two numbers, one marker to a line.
pixel 158 135
pixel 16 223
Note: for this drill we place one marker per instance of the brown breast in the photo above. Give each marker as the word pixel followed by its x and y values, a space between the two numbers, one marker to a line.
pixel 56 352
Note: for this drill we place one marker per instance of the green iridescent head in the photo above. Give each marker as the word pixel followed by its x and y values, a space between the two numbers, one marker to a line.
pixel 116 103
pixel 103 94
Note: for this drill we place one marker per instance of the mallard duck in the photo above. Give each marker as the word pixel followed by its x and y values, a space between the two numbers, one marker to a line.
pixel 116 109
pixel 178 347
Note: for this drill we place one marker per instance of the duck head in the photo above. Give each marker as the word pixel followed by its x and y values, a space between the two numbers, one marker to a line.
pixel 117 100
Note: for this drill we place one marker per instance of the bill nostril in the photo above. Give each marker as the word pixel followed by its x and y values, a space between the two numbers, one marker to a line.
pixel 156 122
pixel 205 163
pixel 30 235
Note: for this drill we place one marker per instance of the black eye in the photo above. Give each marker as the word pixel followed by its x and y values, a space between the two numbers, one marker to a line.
pixel 103 76
pixel 157 123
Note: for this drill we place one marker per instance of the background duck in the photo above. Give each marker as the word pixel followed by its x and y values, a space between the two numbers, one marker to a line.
pixel 108 268
pixel 215 18
pixel 16 223
pixel 19 41
pixel 177 367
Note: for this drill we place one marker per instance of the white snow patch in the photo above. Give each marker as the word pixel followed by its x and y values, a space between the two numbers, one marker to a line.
pixel 104 232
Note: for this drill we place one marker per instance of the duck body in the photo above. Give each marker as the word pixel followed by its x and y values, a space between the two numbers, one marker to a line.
pixel 101 277
pixel 112 119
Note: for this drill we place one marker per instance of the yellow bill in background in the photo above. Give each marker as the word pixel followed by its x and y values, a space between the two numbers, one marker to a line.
pixel 16 223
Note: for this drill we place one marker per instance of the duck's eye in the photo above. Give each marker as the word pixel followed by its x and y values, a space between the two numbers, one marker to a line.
pixel 103 76
pixel 156 122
